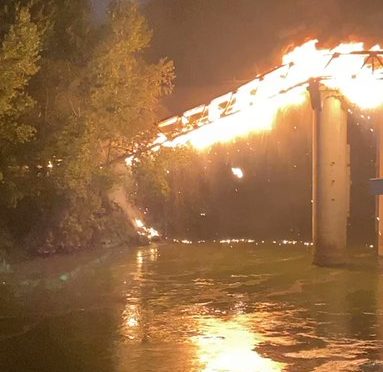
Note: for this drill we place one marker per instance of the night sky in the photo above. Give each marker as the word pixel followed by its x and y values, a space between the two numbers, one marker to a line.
pixel 219 44
pixel 99 7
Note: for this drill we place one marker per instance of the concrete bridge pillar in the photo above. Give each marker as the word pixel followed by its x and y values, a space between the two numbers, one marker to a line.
pixel 331 177
pixel 379 204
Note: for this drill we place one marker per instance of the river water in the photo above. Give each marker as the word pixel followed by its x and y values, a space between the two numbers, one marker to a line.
pixel 196 307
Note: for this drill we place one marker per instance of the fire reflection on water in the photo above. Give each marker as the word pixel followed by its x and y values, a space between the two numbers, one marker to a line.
pixel 131 327
pixel 186 319
pixel 229 345
pixel 131 322
pixel 218 344
pixel 145 255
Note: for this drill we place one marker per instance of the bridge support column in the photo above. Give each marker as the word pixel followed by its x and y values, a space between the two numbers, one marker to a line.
pixel 331 178
pixel 379 203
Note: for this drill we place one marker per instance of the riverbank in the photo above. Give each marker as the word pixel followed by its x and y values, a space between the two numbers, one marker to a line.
pixel 51 272
pixel 55 270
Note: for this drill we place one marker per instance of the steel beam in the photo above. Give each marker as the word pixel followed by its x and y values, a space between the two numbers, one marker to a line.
pixel 331 179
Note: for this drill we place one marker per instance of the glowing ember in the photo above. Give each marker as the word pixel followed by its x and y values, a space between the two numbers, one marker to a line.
pixel 129 161
pixel 132 322
pixel 152 233
pixel 237 172
pixel 139 223
pixel 149 232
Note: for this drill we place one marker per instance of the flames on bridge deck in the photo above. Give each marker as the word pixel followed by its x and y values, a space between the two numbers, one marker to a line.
pixel 349 68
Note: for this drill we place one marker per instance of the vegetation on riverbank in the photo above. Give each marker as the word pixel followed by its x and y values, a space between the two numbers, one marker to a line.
pixel 74 91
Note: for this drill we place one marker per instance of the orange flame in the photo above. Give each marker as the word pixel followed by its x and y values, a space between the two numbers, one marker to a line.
pixel 254 106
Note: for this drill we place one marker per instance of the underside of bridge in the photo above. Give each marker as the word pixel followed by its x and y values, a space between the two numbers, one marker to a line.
pixel 331 177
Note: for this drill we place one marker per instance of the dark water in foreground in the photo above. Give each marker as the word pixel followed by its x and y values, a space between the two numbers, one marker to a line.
pixel 204 307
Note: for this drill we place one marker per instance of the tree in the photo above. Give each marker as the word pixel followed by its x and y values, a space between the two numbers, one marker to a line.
pixel 114 96
pixel 92 92
pixel 19 62
pixel 125 90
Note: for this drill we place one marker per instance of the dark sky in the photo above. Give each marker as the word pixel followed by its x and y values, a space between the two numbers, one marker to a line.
pixel 100 7
pixel 218 44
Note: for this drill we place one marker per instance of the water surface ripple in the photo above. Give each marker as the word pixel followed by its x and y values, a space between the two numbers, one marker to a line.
pixel 203 307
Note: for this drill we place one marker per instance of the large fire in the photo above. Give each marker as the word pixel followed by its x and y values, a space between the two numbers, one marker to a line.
pixel 356 73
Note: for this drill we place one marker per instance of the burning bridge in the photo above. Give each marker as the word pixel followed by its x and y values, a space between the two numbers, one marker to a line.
pixel 335 81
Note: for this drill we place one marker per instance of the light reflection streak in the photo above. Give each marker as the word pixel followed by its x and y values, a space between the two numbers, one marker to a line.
pixel 139 259
pixel 131 318
pixel 143 255
pixel 153 254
